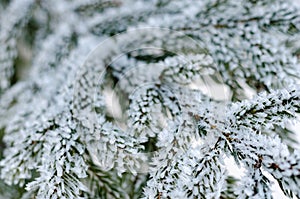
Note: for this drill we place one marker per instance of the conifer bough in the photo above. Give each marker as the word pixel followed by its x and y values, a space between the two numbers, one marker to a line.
pixel 115 99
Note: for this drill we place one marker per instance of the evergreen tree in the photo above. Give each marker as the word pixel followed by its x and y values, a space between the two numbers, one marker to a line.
pixel 148 98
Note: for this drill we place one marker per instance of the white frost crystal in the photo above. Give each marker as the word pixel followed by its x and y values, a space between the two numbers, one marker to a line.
pixel 106 99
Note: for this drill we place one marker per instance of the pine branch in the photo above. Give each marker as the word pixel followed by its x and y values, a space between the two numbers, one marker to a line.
pixel 10 31
pixel 62 139
pixel 267 110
